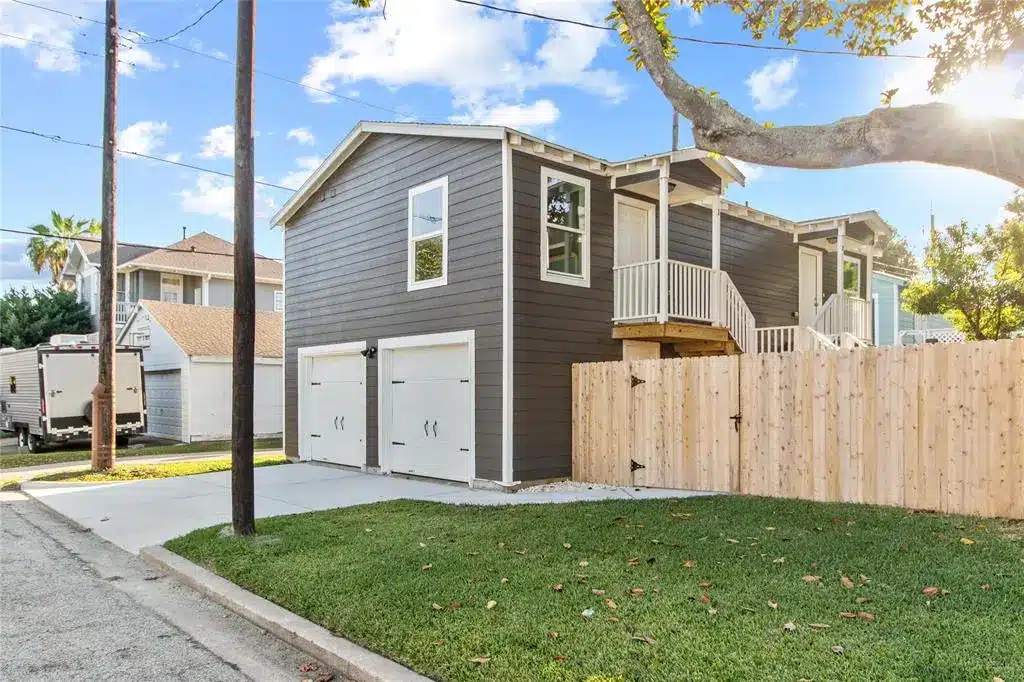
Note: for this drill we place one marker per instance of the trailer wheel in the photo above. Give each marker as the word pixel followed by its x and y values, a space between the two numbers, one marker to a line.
pixel 87 412
pixel 35 443
pixel 122 441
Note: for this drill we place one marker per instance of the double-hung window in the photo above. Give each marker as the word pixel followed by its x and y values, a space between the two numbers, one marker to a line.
pixel 278 301
pixel 851 275
pixel 565 228
pixel 428 235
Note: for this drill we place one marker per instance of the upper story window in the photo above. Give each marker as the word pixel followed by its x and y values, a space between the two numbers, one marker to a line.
pixel 170 288
pixel 428 235
pixel 565 228
pixel 851 275
pixel 278 301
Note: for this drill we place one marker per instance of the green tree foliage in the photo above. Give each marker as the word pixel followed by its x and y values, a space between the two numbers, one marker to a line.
pixel 897 257
pixel 974 278
pixel 51 247
pixel 28 318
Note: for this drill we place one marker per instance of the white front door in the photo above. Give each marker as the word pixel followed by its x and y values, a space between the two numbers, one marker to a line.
pixel 810 285
pixel 429 393
pixel 334 409
pixel 171 288
pixel 634 231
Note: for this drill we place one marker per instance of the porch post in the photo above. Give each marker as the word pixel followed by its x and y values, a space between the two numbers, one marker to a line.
pixel 663 243
pixel 127 287
pixel 867 293
pixel 716 232
pixel 206 290
pixel 840 279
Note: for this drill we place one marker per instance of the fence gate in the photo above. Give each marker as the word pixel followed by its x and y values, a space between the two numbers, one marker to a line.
pixel 658 423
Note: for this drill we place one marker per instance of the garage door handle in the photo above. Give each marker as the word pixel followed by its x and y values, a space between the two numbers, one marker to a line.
pixel 435 428
pixel 426 427
pixel 342 423
pixel 395 442
pixel 314 435
pixel 314 383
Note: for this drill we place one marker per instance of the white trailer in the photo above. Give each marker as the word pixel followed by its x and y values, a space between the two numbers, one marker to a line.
pixel 46 392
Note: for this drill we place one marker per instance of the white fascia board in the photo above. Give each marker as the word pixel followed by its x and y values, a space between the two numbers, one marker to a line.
pixel 224 359
pixel 74 247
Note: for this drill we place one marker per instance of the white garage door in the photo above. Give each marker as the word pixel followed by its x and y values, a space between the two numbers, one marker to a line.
pixel 163 402
pixel 428 398
pixel 333 419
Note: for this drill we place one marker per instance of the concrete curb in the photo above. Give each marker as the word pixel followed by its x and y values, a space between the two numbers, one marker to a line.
pixel 351 660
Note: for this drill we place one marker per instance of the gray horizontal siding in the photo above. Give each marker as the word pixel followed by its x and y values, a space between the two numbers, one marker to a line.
pixel 346 257
pixel 554 325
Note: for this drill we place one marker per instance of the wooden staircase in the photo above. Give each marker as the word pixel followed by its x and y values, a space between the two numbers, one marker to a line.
pixel 648 340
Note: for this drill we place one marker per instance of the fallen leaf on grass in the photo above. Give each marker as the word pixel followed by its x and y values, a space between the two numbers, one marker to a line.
pixel 633 561
pixel 966 541
pixel 308 667
pixel 769 528
pixel 705 584
pixel 864 615
pixel 789 627
pixel 612 619
pixel 426 567
pixel 780 560
pixel 689 563
pixel 846 583
pixel 704 599
pixel 986 586
pixel 934 591
pixel 864 580
pixel 680 515
pixel 587 613
pixel 655 541
pixel 557 588
pixel 477 553
pixel 712 612
pixel 504 581
pixel 820 626
pixel 584 564
pixel 437 607
pixel 491 604
pixel 553 635
pixel 560 659
pixel 480 660
pixel 598 593
pixel 773 604
pixel 862 600
pixel 636 592
pixel 731 541
pixel 566 545
pixel 521 552
pixel 501 545
pixel 423 544
pixel 439 641
pixel 610 604
pixel 848 615
pixel 645 638
pixel 838 649
pixel 811 579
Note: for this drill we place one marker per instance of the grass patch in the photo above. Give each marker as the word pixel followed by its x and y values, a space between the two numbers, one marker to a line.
pixel 375 573
pixel 27 459
pixel 166 470
pixel 9 484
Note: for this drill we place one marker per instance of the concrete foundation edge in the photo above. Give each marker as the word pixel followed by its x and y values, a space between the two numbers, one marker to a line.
pixel 348 659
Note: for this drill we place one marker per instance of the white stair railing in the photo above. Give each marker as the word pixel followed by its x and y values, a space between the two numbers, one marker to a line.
pixel 636 291
pixel 734 314
pixel 843 314
pixel 791 338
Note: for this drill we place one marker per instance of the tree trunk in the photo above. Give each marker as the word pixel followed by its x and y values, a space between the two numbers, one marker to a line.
pixel 104 433
pixel 243 361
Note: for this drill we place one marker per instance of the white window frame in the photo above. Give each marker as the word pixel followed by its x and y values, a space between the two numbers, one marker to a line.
pixel 582 280
pixel 278 300
pixel 860 274
pixel 411 283
pixel 178 288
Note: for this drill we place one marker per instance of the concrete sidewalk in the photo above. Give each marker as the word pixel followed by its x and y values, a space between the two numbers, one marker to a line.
pixel 137 514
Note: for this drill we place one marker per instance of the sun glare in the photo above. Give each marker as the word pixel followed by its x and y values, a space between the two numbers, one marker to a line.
pixel 989 93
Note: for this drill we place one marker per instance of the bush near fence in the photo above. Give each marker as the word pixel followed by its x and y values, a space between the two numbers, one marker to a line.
pixel 938 427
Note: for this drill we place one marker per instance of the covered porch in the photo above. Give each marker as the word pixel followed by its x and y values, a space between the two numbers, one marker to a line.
pixel 658 300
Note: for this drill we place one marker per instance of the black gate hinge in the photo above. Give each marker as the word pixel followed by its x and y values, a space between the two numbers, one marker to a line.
pixel 736 419
pixel 634 465
pixel 635 381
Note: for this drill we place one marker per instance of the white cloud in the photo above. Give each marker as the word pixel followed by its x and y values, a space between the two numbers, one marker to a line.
pixel 302 136
pixel 219 142
pixel 473 52
pixel 214 195
pixel 526 117
pixel 143 137
pixel 174 156
pixel 198 46
pixel 56 30
pixel 306 164
pixel 131 57
pixel 772 85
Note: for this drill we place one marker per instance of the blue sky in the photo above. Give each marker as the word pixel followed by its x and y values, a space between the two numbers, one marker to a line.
pixel 431 60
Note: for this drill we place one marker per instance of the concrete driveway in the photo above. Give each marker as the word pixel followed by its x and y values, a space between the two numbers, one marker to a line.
pixel 142 513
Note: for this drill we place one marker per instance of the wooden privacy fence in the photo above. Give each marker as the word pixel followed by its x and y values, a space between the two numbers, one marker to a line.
pixel 936 427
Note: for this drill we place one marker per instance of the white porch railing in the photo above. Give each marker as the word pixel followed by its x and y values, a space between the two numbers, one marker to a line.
pixel 792 338
pixel 695 293
pixel 122 311
pixel 842 314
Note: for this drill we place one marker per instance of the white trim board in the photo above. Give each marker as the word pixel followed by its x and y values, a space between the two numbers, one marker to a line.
pixel 303 367
pixel 384 346
pixel 507 320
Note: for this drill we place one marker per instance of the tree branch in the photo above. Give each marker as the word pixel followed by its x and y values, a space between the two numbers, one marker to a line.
pixel 929 133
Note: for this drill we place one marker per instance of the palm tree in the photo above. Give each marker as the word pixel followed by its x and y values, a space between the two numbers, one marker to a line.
pixel 52 245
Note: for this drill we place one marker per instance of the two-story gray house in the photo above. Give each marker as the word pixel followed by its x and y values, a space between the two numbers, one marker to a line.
pixel 443 278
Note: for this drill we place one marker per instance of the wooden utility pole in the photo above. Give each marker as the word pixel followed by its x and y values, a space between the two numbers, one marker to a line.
pixel 104 409
pixel 243 517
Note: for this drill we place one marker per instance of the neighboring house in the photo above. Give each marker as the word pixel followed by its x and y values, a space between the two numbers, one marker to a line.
pixel 894 326
pixel 442 279
pixel 187 359
pixel 197 270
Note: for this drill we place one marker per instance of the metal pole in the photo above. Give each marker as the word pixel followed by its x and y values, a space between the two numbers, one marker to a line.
pixel 104 408
pixel 243 518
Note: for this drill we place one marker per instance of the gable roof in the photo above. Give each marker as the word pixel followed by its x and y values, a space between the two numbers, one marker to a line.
pixel 359 134
pixel 208 331
pixel 90 252
pixel 213 255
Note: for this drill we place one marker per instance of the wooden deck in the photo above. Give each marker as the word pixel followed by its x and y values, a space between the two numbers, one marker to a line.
pixel 688 340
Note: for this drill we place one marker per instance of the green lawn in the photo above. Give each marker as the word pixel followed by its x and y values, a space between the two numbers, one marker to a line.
pixel 700 589
pixel 166 470
pixel 27 459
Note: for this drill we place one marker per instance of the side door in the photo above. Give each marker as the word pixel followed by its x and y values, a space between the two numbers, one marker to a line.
pixel 335 419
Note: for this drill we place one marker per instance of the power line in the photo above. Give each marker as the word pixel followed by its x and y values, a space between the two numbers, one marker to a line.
pixel 223 60
pixel 185 28
pixel 63 140
pixel 95 240
pixel 688 39
pixel 61 48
